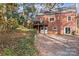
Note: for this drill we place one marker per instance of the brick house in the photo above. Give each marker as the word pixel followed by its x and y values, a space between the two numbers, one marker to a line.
pixel 64 22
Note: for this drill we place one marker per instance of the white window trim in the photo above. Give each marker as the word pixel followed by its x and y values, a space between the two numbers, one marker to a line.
pixel 70 30
pixel 52 17
pixel 68 20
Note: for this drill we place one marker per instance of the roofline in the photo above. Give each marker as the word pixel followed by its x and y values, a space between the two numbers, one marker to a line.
pixel 57 13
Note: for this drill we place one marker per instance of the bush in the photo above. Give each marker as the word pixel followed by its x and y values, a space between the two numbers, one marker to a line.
pixel 29 24
pixel 12 24
pixel 33 31
pixel 22 29
pixel 9 52
pixel 73 32
pixel 26 47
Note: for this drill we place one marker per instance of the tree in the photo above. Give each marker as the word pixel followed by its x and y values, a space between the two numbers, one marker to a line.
pixel 50 5
pixel 5 14
pixel 2 18
pixel 12 9
pixel 29 9
pixel 28 12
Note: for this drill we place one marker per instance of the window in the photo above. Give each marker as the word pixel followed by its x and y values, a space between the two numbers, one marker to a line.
pixel 67 30
pixel 52 19
pixel 54 28
pixel 69 18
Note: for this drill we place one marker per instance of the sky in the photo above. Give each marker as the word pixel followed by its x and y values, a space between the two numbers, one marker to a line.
pixel 38 7
pixel 71 4
pixel 67 4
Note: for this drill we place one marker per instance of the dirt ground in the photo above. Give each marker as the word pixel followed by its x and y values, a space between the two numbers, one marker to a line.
pixel 8 39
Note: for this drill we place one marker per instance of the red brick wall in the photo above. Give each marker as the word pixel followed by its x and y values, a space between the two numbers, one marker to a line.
pixel 72 24
pixel 60 21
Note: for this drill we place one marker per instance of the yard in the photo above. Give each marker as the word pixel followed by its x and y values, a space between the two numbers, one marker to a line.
pixel 17 44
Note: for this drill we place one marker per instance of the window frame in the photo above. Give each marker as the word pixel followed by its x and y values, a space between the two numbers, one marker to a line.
pixel 50 19
pixel 68 18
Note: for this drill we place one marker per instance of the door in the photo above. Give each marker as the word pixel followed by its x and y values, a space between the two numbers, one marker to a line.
pixel 67 30
pixel 43 30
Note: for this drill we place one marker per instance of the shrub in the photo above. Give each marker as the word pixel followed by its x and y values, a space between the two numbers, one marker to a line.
pixel 29 24
pixel 22 29
pixel 26 47
pixel 73 32
pixel 8 52
pixel 12 24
